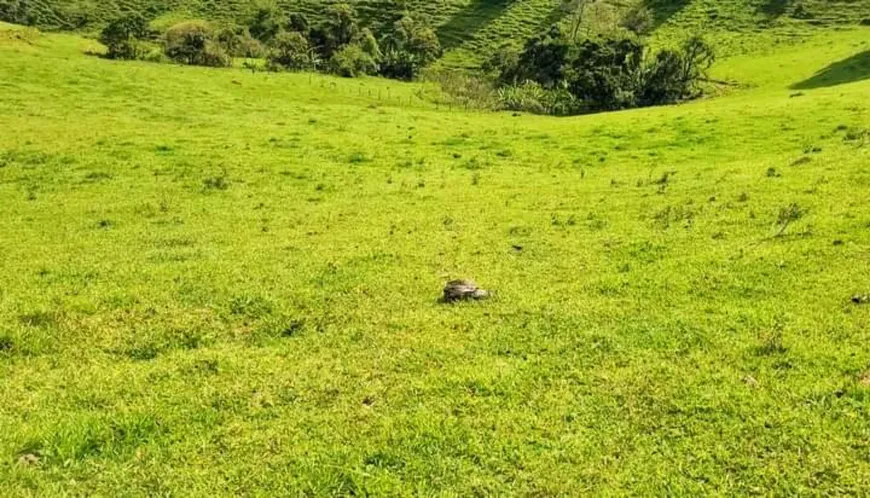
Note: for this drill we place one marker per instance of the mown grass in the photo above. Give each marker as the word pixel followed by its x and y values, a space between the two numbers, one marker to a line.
pixel 214 282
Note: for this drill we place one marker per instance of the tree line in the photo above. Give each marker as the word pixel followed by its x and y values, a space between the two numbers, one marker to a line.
pixel 338 43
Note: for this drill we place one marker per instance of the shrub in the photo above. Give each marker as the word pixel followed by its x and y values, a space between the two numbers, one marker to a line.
pixel 123 37
pixel 352 61
pixel 605 75
pixel 527 97
pixel 532 97
pixel 464 88
pixel 290 51
pixel 399 65
pixel 503 63
pixel 238 42
pixel 543 59
pixel 194 43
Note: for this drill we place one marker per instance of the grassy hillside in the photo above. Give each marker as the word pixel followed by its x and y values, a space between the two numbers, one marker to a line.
pixel 214 282
pixel 472 29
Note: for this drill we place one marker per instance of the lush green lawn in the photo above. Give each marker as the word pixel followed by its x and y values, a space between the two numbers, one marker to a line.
pixel 214 282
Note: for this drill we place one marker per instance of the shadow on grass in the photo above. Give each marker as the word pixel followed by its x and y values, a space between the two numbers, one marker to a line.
pixel 664 9
pixel 774 8
pixel 855 68
pixel 469 20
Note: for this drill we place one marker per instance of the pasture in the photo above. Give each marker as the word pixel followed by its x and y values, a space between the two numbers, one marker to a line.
pixel 215 282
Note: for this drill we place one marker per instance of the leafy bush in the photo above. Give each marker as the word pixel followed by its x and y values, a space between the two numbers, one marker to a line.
pixel 399 65
pixel 351 61
pixel 532 97
pixel 194 43
pixel 528 97
pixel 123 37
pixel 238 42
pixel 290 51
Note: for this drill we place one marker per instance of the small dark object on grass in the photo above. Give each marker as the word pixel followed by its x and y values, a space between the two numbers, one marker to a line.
pixel 861 299
pixel 517 248
pixel 463 290
pixel 28 459
pixel 838 242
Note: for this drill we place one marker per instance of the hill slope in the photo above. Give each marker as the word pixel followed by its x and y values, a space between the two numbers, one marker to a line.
pixel 214 282
pixel 472 29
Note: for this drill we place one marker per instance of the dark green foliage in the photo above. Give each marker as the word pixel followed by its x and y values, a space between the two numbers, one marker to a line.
pixel 543 60
pixel 351 61
pixel 503 61
pixel 266 23
pixel 299 23
pixel 123 37
pixel 339 28
pixel 410 47
pixel 660 77
pixel 195 43
pixel 605 74
pixel 238 42
pixel 367 42
pixel 290 51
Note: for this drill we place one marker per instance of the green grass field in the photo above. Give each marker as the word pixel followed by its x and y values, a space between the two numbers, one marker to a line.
pixel 219 283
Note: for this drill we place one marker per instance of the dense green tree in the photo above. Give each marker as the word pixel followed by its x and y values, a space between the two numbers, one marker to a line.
pixel 368 43
pixel 408 48
pixel 266 23
pixel 339 28
pixel 606 74
pixel 238 42
pixel 352 61
pixel 290 50
pixel 543 59
pixel 123 37
pixel 194 42
pixel 603 73
pixel 674 75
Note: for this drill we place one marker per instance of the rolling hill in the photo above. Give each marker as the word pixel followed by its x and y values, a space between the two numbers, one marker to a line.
pixel 472 29
pixel 215 282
